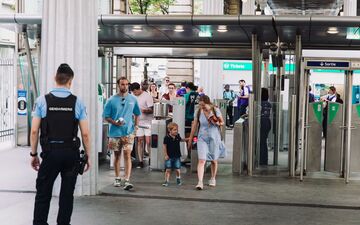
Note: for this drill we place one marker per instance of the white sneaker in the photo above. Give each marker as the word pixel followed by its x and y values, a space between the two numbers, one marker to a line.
pixel 128 186
pixel 199 186
pixel 212 182
pixel 117 182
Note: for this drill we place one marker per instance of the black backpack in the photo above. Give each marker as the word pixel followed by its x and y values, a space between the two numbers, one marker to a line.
pixel 190 105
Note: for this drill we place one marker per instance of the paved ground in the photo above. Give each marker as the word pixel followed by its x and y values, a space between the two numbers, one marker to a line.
pixel 235 200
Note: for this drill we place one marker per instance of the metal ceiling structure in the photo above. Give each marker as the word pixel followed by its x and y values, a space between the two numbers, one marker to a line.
pixel 159 31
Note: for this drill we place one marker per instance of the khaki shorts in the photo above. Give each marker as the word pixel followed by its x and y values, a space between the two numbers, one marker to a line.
pixel 121 143
pixel 140 132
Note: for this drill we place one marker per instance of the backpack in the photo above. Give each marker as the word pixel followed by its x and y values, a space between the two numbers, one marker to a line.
pixel 232 94
pixel 190 105
pixel 230 101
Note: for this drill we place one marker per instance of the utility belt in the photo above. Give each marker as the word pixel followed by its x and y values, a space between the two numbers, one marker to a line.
pixel 51 144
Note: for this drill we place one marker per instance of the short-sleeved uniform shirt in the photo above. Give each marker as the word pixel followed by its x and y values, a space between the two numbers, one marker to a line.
pixel 121 107
pixel 40 107
pixel 244 92
pixel 145 101
pixel 173 146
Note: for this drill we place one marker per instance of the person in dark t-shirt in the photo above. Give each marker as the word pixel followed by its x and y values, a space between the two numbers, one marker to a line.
pixel 171 147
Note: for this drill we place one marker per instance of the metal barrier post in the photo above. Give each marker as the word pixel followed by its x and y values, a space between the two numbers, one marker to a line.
pixel 348 127
pixel 292 136
pixel 304 103
pixel 251 136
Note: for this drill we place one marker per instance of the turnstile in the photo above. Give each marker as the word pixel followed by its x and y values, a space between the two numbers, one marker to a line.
pixel 314 137
pixel 333 141
pixel 158 132
pixel 240 146
pixel 355 140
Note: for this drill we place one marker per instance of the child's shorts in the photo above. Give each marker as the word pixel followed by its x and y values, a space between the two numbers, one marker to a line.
pixel 173 163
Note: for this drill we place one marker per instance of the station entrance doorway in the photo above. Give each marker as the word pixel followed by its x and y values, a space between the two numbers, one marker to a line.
pixel 331 122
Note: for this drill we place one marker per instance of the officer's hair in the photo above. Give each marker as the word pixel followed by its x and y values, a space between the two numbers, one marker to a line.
pixel 120 79
pixel 171 126
pixel 332 88
pixel 64 74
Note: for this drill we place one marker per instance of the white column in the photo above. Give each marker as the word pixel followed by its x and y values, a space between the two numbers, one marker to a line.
pixel 211 74
pixel 248 7
pixel 350 7
pixel 211 78
pixel 69 35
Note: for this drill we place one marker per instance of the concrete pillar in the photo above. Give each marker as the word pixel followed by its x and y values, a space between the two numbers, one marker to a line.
pixel 211 70
pixel 248 7
pixel 350 7
pixel 181 7
pixel 180 69
pixel 69 35
pixel 232 7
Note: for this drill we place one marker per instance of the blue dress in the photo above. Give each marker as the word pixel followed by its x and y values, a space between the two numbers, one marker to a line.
pixel 208 146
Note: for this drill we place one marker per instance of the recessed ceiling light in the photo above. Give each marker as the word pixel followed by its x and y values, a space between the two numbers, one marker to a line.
pixel 222 29
pixel 137 28
pixel 332 30
pixel 179 28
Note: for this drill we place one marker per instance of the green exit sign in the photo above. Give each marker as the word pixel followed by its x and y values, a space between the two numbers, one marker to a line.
pixel 237 66
pixel 248 66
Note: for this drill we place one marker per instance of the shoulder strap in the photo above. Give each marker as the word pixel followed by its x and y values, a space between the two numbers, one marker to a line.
pixel 213 109
pixel 198 114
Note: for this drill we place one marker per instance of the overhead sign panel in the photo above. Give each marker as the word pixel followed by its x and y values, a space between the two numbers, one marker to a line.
pixel 328 64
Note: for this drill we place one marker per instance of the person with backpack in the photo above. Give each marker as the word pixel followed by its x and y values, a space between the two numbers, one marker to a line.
pixel 191 99
pixel 208 121
pixel 243 98
pixel 229 96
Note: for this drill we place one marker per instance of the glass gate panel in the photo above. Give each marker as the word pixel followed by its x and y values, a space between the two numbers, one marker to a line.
pixel 7 114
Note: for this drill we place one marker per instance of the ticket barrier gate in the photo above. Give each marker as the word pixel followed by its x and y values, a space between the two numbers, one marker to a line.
pixel 240 147
pixel 333 141
pixel 334 138
pixel 355 140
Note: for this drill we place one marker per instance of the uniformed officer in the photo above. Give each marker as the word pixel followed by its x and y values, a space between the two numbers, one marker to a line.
pixel 57 115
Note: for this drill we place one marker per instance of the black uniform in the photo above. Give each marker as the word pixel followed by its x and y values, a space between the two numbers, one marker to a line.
pixel 60 154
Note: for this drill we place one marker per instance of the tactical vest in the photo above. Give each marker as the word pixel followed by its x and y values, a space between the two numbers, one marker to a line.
pixel 60 127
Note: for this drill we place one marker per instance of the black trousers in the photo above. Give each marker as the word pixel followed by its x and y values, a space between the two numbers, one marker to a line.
pixel 229 113
pixel 242 109
pixel 324 123
pixel 264 133
pixel 55 162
